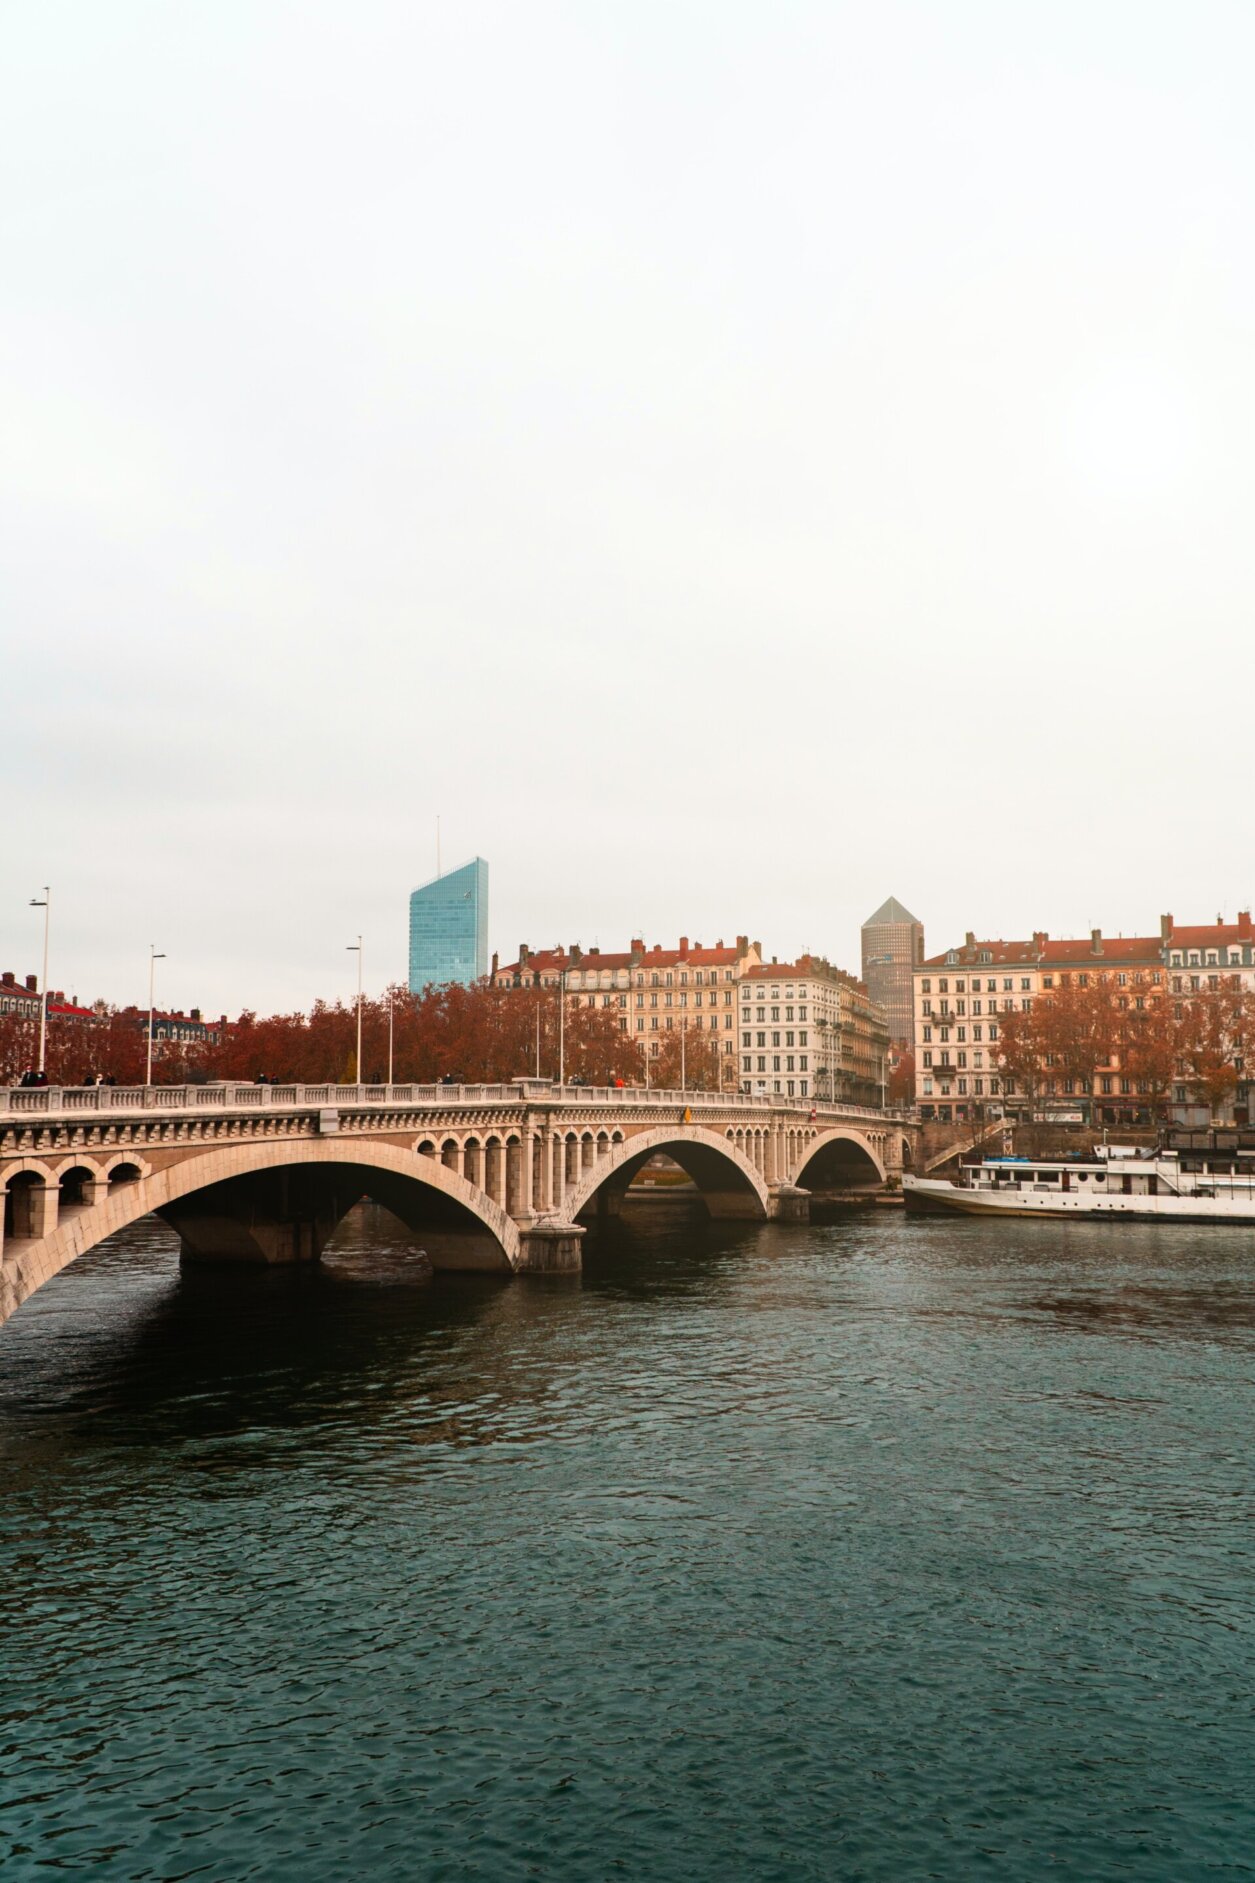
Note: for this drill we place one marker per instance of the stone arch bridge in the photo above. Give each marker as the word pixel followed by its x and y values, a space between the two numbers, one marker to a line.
pixel 488 1177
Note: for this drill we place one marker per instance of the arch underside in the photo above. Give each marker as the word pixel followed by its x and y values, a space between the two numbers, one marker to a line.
pixel 272 1203
pixel 840 1161
pixel 729 1186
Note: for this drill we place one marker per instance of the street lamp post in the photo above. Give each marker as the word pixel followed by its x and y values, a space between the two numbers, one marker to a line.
pixel 355 948
pixel 153 959
pixel 44 902
pixel 562 1025
pixel 389 1036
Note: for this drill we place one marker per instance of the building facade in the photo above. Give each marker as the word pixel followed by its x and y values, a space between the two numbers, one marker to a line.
pixel 449 928
pixel 961 996
pixel 810 1030
pixel 182 1029
pixel 892 949
pixel 1198 957
pixel 654 991
pixel 20 998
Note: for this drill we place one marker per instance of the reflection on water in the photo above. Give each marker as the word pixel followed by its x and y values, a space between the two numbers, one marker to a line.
pixel 880 1550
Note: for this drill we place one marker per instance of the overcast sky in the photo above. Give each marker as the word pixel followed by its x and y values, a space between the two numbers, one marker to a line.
pixel 732 462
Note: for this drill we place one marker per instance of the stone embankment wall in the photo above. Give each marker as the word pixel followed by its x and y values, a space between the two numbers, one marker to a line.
pixel 1055 1141
pixel 1027 1140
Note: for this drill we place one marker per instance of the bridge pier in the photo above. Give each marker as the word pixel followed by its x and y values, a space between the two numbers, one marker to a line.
pixel 550 1248
pixel 789 1204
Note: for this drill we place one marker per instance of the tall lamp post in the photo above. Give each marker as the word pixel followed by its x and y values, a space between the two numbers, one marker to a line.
pixel 153 959
pixel 389 1036
pixel 355 948
pixel 562 1025
pixel 44 902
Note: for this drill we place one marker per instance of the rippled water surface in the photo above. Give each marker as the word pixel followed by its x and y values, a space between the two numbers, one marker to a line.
pixel 887 1550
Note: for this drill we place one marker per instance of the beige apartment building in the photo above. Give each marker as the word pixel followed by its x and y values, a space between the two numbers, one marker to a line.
pixel 810 1030
pixel 960 995
pixel 654 991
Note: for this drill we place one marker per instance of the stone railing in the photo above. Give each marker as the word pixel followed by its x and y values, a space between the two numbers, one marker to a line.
pixel 93 1100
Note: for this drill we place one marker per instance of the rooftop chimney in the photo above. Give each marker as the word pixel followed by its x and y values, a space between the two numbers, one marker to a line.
pixel 1095 941
pixel 1244 923
pixel 576 951
pixel 970 939
pixel 32 985
pixel 742 944
pixel 7 979
pixel 638 946
pixel 524 953
pixel 1040 938
pixel 684 944
pixel 1165 928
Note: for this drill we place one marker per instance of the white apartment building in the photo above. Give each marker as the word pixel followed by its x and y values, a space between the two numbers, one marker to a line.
pixel 809 1030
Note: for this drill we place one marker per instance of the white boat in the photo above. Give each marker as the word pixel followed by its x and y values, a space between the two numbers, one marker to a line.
pixel 1159 1186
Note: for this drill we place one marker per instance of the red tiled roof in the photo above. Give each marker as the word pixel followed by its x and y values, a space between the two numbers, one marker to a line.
pixel 1111 951
pixel 1114 949
pixel 1214 934
pixel 553 960
pixel 999 953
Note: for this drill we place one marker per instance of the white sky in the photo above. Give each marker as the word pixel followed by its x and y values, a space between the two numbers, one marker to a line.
pixel 733 462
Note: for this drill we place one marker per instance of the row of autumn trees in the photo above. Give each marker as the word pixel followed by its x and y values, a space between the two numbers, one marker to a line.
pixel 478 1034
pixel 1204 1041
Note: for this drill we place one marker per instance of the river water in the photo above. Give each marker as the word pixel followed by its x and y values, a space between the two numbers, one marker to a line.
pixel 887 1550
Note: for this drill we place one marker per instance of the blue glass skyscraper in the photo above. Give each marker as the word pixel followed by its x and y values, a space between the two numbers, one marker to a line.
pixel 449 928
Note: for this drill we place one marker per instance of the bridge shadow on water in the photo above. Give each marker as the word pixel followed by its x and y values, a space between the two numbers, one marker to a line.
pixel 128 1348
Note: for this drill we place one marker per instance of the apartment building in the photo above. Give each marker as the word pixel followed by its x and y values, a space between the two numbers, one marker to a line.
pixel 654 991
pixel 961 994
pixel 811 1030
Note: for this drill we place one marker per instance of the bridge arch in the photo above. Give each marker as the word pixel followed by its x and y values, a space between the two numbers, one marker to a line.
pixel 464 1229
pixel 840 1157
pixel 731 1185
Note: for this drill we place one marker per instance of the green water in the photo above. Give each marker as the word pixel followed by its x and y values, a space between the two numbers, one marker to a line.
pixel 889 1550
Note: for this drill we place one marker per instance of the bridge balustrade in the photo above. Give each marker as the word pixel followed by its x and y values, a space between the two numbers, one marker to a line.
pixel 59 1101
